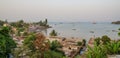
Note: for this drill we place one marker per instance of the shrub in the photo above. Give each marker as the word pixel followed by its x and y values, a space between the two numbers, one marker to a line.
pixel 84 42
pixel 54 45
pixel 79 43
pixel 119 32
pixel 105 39
pixel 52 54
pixel 6 43
pixel 96 52
pixel 97 41
pixel 53 33
pixel 113 47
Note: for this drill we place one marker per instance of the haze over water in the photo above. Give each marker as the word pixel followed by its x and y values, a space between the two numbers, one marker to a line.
pixel 83 29
pixel 66 11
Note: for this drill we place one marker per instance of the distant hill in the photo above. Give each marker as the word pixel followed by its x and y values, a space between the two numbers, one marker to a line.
pixel 116 22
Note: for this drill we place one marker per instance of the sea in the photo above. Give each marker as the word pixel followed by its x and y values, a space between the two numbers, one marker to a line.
pixel 85 30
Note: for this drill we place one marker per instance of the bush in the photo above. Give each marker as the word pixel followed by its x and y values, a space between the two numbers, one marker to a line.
pixel 28 41
pixel 113 47
pixel 6 43
pixel 96 52
pixel 97 41
pixel 105 39
pixel 84 42
pixel 53 33
pixel 78 56
pixel 52 54
pixel 119 32
pixel 79 43
pixel 54 45
pixel 119 29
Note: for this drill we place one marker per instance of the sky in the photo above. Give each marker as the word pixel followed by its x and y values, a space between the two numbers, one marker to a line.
pixel 60 10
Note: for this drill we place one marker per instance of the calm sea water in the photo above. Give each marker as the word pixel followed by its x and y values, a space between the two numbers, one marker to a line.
pixel 85 30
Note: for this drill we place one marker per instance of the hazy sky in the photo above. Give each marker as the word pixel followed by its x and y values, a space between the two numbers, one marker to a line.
pixel 60 10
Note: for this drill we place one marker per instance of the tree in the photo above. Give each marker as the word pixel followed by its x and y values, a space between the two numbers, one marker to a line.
pixel 105 39
pixel 54 45
pixel 6 21
pixel 119 32
pixel 37 44
pixel 6 43
pixel 84 42
pixel 41 23
pixel 53 33
pixel 79 43
pixel 29 42
pixel 97 41
pixel 21 21
pixel 45 22
pixel 20 24
pixel 41 48
pixel 1 23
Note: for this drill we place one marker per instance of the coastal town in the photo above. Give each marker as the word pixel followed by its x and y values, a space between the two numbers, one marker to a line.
pixel 20 30
pixel 31 41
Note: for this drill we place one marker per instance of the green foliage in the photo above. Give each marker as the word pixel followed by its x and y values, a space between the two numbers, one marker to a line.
pixel 78 56
pixel 6 42
pixel 101 50
pixel 79 43
pixel 19 24
pixel 54 45
pixel 53 33
pixel 1 22
pixel 21 21
pixel 119 29
pixel 19 51
pixel 35 54
pixel 119 32
pixel 19 30
pixel 25 33
pixel 105 39
pixel 113 47
pixel 13 24
pixel 29 41
pixel 52 54
pixel 97 40
pixel 43 23
pixel 84 42
pixel 6 21
pixel 96 52
pixel 46 21
pixel 40 23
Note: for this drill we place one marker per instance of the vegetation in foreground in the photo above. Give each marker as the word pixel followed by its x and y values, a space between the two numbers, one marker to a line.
pixel 35 45
pixel 103 47
pixel 6 43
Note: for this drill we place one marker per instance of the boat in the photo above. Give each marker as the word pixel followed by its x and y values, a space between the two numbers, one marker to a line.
pixel 94 23
pixel 91 31
pixel 73 29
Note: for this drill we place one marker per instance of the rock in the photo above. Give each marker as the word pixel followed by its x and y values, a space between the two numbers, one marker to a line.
pixel 117 22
